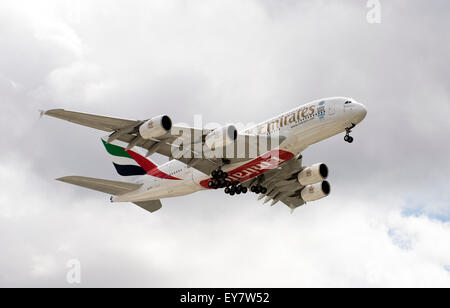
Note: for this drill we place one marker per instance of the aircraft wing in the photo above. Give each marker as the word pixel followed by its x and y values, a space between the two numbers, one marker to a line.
pixel 281 183
pixel 127 131
pixel 106 124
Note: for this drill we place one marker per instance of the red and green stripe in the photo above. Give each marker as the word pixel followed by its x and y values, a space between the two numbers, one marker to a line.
pixel 130 163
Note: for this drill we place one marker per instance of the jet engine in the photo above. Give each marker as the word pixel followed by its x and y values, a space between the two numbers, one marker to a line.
pixel 315 191
pixel 221 137
pixel 156 127
pixel 313 174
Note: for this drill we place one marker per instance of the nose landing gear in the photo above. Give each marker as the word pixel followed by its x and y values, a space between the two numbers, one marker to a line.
pixel 347 136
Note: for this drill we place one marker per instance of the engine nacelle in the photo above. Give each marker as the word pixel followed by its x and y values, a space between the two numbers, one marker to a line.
pixel 315 191
pixel 221 137
pixel 313 174
pixel 156 127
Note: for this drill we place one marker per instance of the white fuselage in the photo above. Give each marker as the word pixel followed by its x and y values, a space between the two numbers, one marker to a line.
pixel 302 127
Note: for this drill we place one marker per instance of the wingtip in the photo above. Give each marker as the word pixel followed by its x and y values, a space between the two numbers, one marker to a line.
pixel 64 179
pixel 49 112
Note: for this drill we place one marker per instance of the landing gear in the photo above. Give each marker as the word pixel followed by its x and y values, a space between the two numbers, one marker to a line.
pixel 258 189
pixel 236 189
pixel 347 136
pixel 219 174
pixel 218 179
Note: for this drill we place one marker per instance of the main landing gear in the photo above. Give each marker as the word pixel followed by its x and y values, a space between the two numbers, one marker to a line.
pixel 219 179
pixel 347 136
pixel 258 189
pixel 236 189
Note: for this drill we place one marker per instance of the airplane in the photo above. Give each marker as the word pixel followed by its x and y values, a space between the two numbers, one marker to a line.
pixel 265 159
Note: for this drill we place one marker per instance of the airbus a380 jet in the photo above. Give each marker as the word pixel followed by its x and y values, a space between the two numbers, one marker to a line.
pixel 265 159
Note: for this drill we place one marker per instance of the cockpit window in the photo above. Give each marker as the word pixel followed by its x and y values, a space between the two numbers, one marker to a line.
pixel 347 102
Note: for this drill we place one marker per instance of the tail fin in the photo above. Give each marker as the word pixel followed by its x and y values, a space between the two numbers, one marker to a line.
pixel 128 163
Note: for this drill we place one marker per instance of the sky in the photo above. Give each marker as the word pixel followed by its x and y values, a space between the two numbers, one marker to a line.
pixel 386 222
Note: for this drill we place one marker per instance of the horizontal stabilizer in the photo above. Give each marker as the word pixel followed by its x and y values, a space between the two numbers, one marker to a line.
pixel 151 206
pixel 108 187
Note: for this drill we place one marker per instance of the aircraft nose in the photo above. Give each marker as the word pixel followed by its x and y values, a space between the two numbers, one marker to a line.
pixel 360 113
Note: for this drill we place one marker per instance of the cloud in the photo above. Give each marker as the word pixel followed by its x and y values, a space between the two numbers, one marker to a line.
pixel 343 243
pixel 386 222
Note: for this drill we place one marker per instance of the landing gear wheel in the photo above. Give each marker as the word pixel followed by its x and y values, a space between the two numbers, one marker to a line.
pixel 218 179
pixel 258 189
pixel 348 138
pixel 244 190
pixel 227 190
